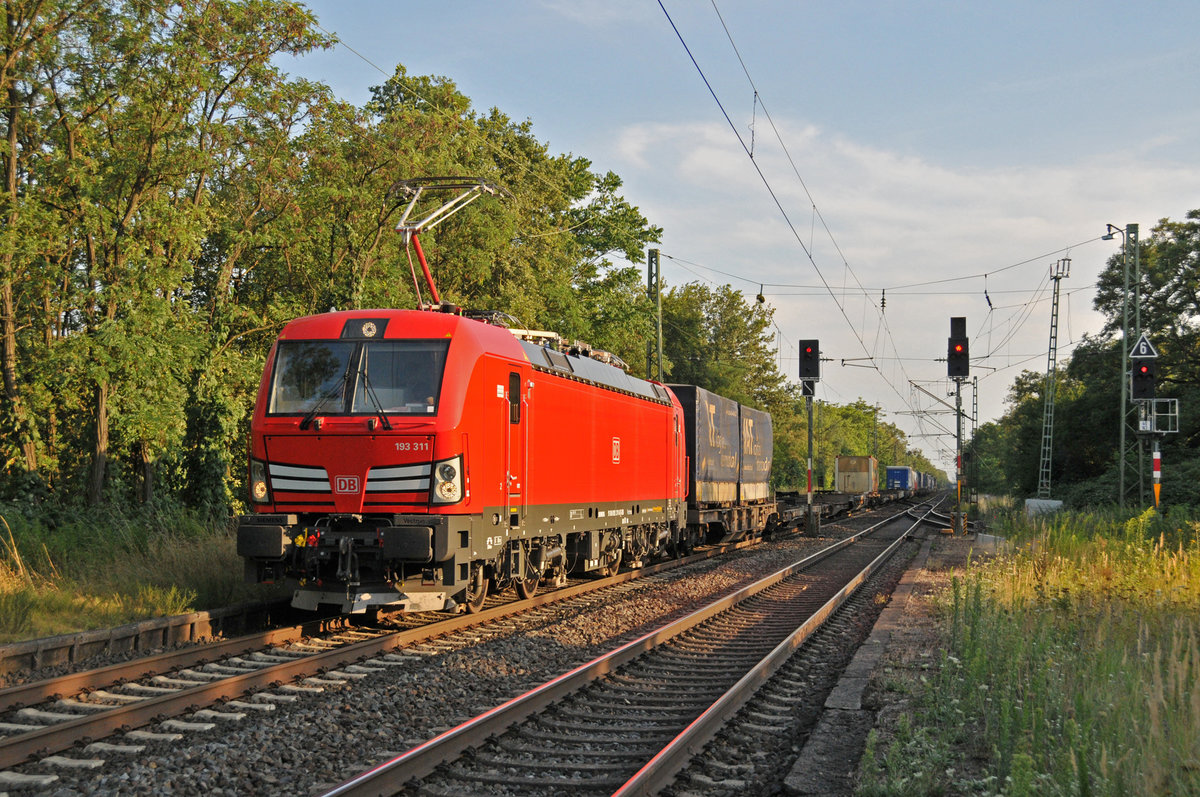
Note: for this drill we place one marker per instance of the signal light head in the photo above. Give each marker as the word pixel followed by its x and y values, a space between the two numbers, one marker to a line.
pixel 958 363
pixel 810 360
pixel 1142 379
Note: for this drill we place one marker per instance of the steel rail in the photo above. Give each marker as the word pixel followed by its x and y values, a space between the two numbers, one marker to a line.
pixel 417 762
pixel 72 683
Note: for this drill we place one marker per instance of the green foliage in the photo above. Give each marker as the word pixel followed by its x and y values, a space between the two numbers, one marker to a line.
pixel 76 569
pixel 16 613
pixel 915 764
pixel 153 601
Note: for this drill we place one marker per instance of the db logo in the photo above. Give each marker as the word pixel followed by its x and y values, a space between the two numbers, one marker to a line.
pixel 616 451
pixel 345 484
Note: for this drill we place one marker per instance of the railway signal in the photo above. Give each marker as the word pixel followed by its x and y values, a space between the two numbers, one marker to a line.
pixel 810 373
pixel 810 359
pixel 958 368
pixel 958 356
pixel 1142 379
pixel 1144 372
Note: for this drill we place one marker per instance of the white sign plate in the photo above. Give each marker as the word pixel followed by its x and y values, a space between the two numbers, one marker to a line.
pixel 1143 348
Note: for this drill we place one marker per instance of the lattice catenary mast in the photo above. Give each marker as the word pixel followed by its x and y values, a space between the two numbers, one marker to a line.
pixel 1058 271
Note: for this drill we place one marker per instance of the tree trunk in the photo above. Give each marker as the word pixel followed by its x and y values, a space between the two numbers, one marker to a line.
pixel 50 440
pixel 8 332
pixel 147 468
pixel 8 314
pixel 100 453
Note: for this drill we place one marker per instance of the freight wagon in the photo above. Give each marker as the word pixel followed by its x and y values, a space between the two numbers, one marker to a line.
pixel 856 475
pixel 729 450
pixel 902 477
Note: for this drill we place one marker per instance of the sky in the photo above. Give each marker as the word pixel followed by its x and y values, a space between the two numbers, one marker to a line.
pixel 871 168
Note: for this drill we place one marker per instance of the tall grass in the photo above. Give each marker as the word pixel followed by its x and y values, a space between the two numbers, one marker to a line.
pixel 1072 666
pixel 16 594
pixel 72 572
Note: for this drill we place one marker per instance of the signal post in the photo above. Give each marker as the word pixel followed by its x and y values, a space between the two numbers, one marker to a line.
pixel 810 374
pixel 1157 417
pixel 958 368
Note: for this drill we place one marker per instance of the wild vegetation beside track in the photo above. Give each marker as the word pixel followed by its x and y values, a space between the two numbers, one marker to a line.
pixel 72 574
pixel 1066 665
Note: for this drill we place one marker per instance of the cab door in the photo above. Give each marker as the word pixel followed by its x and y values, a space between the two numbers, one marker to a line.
pixel 516 420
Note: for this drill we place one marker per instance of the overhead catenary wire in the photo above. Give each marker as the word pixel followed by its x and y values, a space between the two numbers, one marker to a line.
pixel 774 196
pixel 1037 294
pixel 1016 321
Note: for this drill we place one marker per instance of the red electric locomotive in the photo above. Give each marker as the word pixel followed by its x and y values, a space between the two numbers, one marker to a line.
pixel 415 459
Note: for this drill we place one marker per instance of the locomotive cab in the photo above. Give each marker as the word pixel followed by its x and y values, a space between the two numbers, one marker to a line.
pixel 355 470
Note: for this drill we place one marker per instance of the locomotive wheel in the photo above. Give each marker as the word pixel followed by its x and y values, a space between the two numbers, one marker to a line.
pixel 612 563
pixel 477 590
pixel 527 588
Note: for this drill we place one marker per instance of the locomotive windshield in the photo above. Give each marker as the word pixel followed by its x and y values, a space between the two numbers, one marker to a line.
pixel 347 377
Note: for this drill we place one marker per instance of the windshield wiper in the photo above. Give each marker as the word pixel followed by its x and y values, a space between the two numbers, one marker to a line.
pixel 308 419
pixel 370 391
pixel 333 391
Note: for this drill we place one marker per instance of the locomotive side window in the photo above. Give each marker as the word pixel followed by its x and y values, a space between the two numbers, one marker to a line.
pixel 514 398
pixel 338 377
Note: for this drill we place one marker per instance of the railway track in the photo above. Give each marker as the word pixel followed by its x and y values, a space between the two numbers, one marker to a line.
pixel 627 722
pixel 388 693
pixel 249 674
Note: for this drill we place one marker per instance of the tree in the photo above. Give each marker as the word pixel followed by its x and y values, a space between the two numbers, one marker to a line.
pixel 717 340
pixel 32 35
pixel 139 109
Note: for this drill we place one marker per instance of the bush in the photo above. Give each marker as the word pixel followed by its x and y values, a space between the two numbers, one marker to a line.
pixel 63 569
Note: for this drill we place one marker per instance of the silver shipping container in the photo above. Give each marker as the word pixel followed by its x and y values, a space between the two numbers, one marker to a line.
pixel 856 475
pixel 754 483
pixel 712 425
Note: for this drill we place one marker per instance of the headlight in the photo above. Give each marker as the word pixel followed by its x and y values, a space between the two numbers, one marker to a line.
pixel 260 492
pixel 447 481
